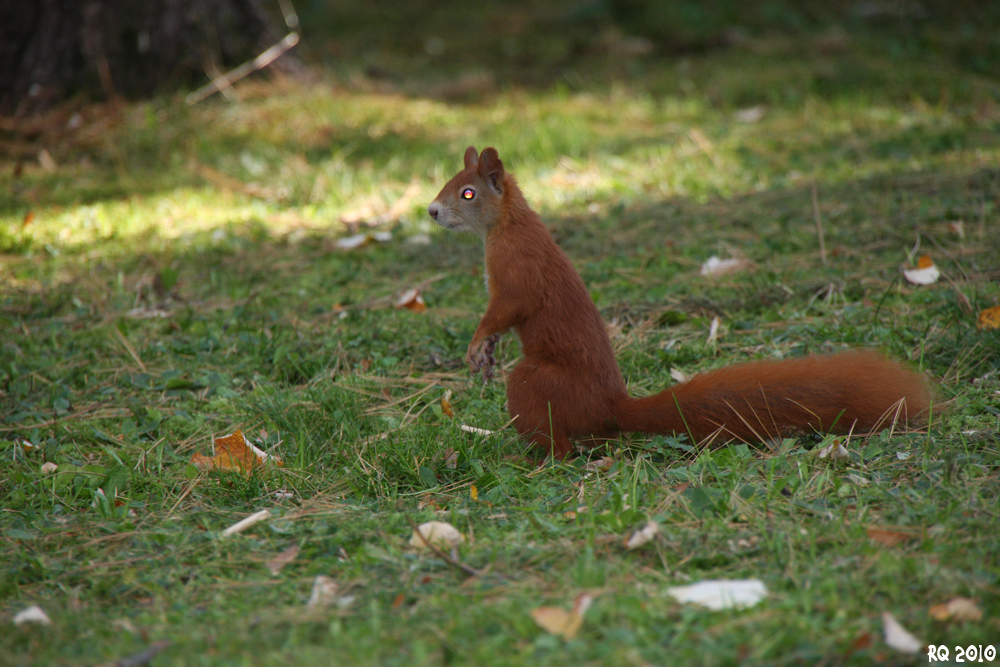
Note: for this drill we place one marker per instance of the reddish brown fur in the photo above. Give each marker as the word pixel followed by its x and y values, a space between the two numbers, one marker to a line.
pixel 568 384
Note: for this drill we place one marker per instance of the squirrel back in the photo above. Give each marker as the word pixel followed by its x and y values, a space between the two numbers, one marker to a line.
pixel 568 384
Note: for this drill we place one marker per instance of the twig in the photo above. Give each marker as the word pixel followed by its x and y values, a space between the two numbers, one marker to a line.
pixel 819 224
pixel 231 77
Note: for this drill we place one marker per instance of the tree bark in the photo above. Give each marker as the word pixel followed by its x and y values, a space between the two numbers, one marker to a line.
pixel 51 49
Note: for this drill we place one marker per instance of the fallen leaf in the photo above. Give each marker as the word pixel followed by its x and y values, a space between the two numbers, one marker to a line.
pixel 411 300
pixel 560 622
pixel 602 464
pixel 888 538
pixel 678 375
pixel 926 272
pixel 359 240
pixel 473 492
pixel 450 458
pixel 438 533
pixel 32 614
pixel 721 593
pixel 242 525
pixel 352 242
pixel 446 408
pixel 643 535
pixel 989 318
pixel 714 266
pixel 897 637
pixel 324 592
pixel 419 239
pixel 234 452
pixel 48 468
pixel 835 450
pixel 46 161
pixel 276 564
pixel 750 114
pixel 713 331
pixel 956 609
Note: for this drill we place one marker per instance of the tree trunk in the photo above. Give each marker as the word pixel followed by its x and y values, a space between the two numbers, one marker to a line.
pixel 50 49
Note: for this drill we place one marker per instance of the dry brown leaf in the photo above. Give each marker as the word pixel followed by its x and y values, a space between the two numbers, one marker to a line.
pixel 956 609
pixel 234 452
pixel 446 408
pixel 560 622
pixel 602 464
pixel 276 564
pixel 888 538
pixel 411 300
pixel 989 318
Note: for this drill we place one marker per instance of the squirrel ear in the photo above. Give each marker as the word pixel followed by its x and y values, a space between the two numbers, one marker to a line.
pixel 471 157
pixel 491 168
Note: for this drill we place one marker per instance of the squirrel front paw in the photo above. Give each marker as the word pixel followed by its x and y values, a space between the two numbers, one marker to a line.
pixel 480 357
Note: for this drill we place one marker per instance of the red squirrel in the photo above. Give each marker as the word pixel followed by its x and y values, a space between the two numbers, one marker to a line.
pixel 568 384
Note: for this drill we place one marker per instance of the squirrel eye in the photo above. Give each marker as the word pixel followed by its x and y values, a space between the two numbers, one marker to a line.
pixel 468 193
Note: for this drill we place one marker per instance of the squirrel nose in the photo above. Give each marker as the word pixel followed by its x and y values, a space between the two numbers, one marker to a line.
pixel 433 210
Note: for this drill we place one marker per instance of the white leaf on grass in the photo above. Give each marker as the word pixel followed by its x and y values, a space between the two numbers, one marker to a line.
pixel 902 456
pixel 897 637
pixel 722 593
pixel 352 242
pixel 714 266
pixel 49 467
pixel 324 592
pixel 926 272
pixel 439 533
pixel 750 114
pixel 834 451
pixel 713 331
pixel 33 614
pixel 643 535
pixel 678 375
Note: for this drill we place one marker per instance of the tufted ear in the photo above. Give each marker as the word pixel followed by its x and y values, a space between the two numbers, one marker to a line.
pixel 471 157
pixel 491 168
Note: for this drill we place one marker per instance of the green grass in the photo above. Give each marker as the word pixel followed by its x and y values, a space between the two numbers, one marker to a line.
pixel 177 279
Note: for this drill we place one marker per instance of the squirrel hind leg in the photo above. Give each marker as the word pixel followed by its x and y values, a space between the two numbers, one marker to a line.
pixel 549 406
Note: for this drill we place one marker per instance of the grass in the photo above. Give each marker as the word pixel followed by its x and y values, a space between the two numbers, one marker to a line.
pixel 173 276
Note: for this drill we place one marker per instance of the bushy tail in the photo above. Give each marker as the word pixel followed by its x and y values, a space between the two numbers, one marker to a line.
pixel 770 399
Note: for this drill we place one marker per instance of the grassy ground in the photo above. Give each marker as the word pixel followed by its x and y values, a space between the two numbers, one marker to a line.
pixel 170 274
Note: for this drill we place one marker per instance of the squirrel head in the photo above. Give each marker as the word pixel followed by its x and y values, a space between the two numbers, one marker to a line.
pixel 472 201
